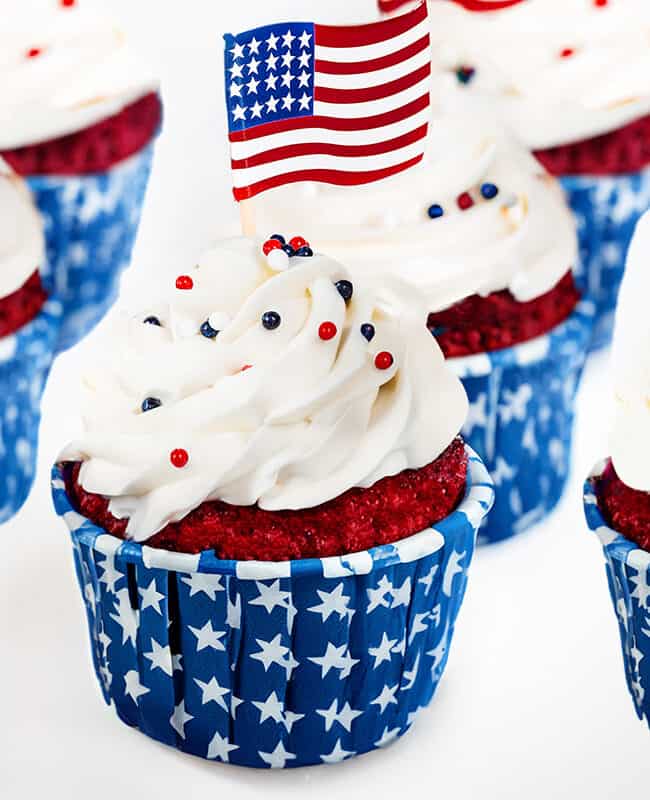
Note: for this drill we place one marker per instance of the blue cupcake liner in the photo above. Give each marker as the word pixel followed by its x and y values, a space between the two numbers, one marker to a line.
pixel 274 664
pixel 25 360
pixel 607 209
pixel 91 222
pixel 521 420
pixel 628 577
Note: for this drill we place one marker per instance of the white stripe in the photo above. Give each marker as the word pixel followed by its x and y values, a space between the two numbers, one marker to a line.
pixel 363 80
pixel 368 52
pixel 240 150
pixel 372 107
pixel 246 177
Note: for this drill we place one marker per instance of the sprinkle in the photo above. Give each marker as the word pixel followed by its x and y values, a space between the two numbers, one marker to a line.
pixel 345 289
pixel 600 3
pixel 270 245
pixel 465 74
pixel 271 320
pixel 245 367
pixel 297 242
pixel 288 249
pixel 489 191
pixel 149 403
pixel 152 321
pixel 464 201
pixel 67 3
pixel 435 211
pixel 279 237
pixel 305 252
pixel 278 260
pixel 184 282
pixel 327 331
pixel 33 52
pixel 567 52
pixel 384 360
pixel 368 331
pixel 208 331
pixel 179 457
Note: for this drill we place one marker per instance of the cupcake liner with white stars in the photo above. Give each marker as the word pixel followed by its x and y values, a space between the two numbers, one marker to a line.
pixel 521 420
pixel 278 664
pixel 607 209
pixel 628 578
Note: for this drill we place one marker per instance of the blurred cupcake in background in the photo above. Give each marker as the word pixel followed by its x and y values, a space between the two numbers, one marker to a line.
pixel 485 236
pixel 617 495
pixel 252 504
pixel 79 114
pixel 572 80
pixel 29 326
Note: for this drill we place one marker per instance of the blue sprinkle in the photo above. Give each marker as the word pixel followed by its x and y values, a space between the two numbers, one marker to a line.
pixel 279 237
pixel 150 403
pixel 305 252
pixel 271 320
pixel 489 191
pixel 152 321
pixel 208 331
pixel 368 331
pixel 435 211
pixel 288 249
pixel 345 289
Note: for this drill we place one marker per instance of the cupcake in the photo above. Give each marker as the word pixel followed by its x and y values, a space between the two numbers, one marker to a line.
pixel 617 495
pixel 79 115
pixel 271 533
pixel 571 78
pixel 485 237
pixel 29 325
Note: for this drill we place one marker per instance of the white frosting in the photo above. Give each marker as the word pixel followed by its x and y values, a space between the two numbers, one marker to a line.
pixel 83 74
pixel 309 420
pixel 22 244
pixel 523 240
pixel 630 437
pixel 546 99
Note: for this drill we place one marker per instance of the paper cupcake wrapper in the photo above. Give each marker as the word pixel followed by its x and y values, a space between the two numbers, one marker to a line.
pixel 274 664
pixel 521 420
pixel 91 222
pixel 628 576
pixel 25 360
pixel 607 209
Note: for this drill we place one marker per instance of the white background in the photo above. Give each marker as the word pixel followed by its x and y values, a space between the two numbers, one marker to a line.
pixel 533 703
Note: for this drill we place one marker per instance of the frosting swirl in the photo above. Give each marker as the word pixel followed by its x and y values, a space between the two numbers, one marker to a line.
pixel 558 71
pixel 630 436
pixel 385 228
pixel 22 244
pixel 62 69
pixel 275 409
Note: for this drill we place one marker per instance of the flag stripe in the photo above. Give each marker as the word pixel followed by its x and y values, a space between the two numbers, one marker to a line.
pixel 363 79
pixel 332 123
pixel 338 178
pixel 337 36
pixel 330 149
pixel 352 68
pixel 372 51
pixel 370 93
pixel 372 107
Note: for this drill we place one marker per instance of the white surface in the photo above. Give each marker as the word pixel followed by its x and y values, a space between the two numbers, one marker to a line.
pixel 533 703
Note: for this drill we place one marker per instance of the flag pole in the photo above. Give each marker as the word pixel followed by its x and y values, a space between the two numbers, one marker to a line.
pixel 247 218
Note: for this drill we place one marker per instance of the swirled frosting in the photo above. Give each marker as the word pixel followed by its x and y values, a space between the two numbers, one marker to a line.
pixel 385 228
pixel 557 71
pixel 273 414
pixel 62 68
pixel 22 244
pixel 630 436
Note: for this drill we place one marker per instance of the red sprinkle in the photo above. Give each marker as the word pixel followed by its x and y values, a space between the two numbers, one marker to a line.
pixel 67 3
pixel 245 367
pixel 33 52
pixel 271 244
pixel 179 457
pixel 327 331
pixel 600 3
pixel 184 282
pixel 464 201
pixel 297 242
pixel 384 360
pixel 567 52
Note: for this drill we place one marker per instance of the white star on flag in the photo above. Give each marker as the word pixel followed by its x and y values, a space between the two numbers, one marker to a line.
pixel 274 652
pixel 385 698
pixel 132 686
pixel 377 596
pixel 278 758
pixel 160 657
pixel 212 692
pixel 345 717
pixel 334 602
pixel 179 719
pixel 208 637
pixel 151 597
pixel 220 748
pixel 202 582
pixel 271 708
pixel 335 658
pixel 254 46
pixel 270 596
pixel 382 652
pixel 238 51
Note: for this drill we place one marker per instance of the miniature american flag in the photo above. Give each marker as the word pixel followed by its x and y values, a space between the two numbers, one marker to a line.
pixel 340 105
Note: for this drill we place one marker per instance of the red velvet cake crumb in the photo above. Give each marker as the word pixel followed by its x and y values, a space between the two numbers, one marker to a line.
pixel 21 306
pixel 482 324
pixel 392 509
pixel 625 510
pixel 95 149
pixel 623 151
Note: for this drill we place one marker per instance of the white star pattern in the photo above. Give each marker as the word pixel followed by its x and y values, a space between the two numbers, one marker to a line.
pixel 271 62
pixel 221 748
pixel 160 657
pixel 271 84
pixel 385 698
pixel 287 58
pixel 377 596
pixel 402 596
pixel 271 596
pixel 337 755
pixel 239 112
pixel 334 602
pixel 151 597
pixel 126 617
pixel 213 692
pixel 428 579
pixel 303 80
pixel 382 652
pixel 335 658
pixel 271 708
pixel 233 613
pixel 252 85
pixel 254 46
pixel 272 104
pixel 304 101
pixel 387 737
pixel 641 591
pixel 278 758
pixel 287 40
pixel 235 89
pixel 256 111
pixel 272 42
pixel 208 637
pixel 418 626
pixel 237 51
pixel 132 686
pixel 410 676
pixel 305 39
pixel 253 66
pixel 304 59
pixel 180 718
pixel 235 702
pixel 110 575
pixel 452 569
pixel 274 652
pixel 345 717
pixel 200 582
pixel 237 71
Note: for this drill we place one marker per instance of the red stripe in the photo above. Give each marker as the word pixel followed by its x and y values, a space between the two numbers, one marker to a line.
pixel 372 92
pixel 335 177
pixel 332 123
pixel 324 148
pixel 486 5
pixel 357 67
pixel 375 32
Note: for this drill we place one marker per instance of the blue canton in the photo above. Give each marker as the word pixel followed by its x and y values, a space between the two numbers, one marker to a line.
pixel 269 74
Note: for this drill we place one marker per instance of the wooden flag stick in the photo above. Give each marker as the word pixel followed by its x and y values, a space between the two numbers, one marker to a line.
pixel 247 217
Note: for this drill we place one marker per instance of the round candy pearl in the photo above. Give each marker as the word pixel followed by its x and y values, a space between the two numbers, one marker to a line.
pixel 278 260
pixel 149 403
pixel 297 242
pixel 465 201
pixel 67 3
pixel 368 331
pixel 567 52
pixel 305 252
pixel 345 289
pixel 489 191
pixel 184 282
pixel 384 360
pixel 280 238
pixel 288 249
pixel 435 211
pixel 208 331
pixel 271 320
pixel 179 457
pixel 327 331
pixel 270 245
pixel 152 321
